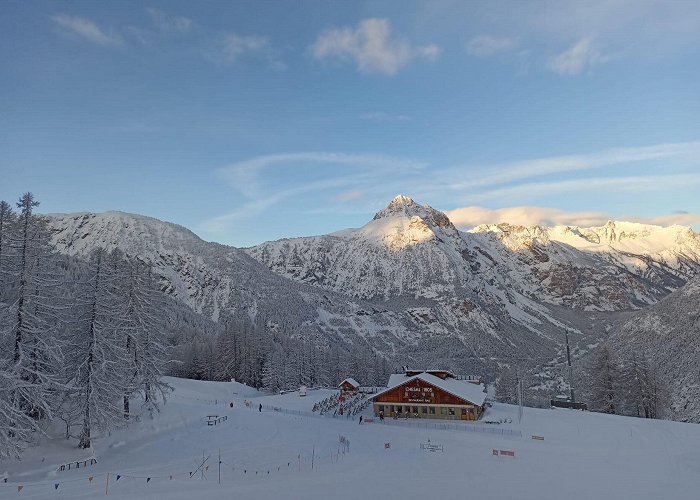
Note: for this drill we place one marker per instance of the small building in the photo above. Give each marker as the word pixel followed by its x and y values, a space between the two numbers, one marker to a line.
pixel 430 394
pixel 349 386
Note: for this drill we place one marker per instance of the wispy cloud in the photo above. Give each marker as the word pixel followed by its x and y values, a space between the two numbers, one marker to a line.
pixel 383 116
pixel 170 23
pixel 519 170
pixel 372 47
pixel 583 55
pixel 344 173
pixel 231 47
pixel 364 182
pixel 637 184
pixel 348 196
pixel 488 46
pixel 86 29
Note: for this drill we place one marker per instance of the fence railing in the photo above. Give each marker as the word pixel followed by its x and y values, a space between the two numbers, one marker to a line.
pixel 415 423
pixel 424 424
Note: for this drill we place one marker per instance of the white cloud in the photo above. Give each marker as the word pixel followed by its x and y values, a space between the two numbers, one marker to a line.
pixel 371 47
pixel 469 217
pixel 348 196
pixel 487 46
pixel 232 47
pixel 582 56
pixel 167 22
pixel 680 218
pixel 86 29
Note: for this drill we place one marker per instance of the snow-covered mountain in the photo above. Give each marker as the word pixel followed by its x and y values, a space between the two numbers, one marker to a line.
pixel 223 282
pixel 410 285
pixel 406 249
pixel 413 249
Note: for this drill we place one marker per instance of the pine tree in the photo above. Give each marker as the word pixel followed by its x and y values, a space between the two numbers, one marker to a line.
pixel 507 386
pixel 145 337
pixel 7 219
pixel 97 355
pixel 34 330
pixel 604 381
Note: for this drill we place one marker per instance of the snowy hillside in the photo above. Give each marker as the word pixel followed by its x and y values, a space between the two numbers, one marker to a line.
pixel 668 333
pixel 224 283
pixel 275 454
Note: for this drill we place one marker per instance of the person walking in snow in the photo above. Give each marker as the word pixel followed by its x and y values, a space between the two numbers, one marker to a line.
pixel 360 419
pixel 260 408
pixel 381 416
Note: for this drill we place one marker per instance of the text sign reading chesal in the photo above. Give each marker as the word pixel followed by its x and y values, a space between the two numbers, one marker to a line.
pixel 419 394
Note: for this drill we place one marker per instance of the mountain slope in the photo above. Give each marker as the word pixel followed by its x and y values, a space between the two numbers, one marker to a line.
pixel 668 333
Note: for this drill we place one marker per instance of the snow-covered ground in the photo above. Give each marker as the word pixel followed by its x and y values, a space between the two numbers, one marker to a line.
pixel 270 455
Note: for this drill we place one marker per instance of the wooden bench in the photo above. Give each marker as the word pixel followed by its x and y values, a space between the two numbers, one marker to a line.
pixel 216 419
pixel 76 464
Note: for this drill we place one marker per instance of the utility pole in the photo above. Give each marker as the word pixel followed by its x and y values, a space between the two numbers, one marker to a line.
pixel 568 362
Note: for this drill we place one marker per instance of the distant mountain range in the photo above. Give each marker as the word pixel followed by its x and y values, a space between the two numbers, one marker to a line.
pixel 413 287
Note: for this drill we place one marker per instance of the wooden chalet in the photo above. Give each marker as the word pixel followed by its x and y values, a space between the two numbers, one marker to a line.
pixel 430 394
pixel 349 386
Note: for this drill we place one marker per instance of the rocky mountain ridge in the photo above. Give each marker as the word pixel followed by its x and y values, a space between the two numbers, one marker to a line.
pixel 409 285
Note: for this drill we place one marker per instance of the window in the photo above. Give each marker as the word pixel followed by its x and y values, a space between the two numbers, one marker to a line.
pixel 424 409
pixel 464 411
pixel 381 407
pixel 432 410
pixel 414 409
pixel 399 409
pixel 451 411
pixel 391 408
pixel 443 411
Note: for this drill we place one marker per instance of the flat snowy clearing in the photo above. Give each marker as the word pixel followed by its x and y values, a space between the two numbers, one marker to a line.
pixel 270 454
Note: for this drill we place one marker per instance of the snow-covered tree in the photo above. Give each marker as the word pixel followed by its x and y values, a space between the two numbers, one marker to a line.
pixel 604 380
pixel 7 219
pixel 30 271
pixel 96 353
pixel 145 337
pixel 507 386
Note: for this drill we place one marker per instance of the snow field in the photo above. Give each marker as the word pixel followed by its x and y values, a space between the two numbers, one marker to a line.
pixel 584 455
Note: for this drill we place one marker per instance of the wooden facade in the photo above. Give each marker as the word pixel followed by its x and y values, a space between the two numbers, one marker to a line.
pixel 348 387
pixel 420 399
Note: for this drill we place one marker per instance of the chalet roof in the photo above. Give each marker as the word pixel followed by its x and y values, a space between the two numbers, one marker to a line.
pixel 410 372
pixel 463 389
pixel 350 381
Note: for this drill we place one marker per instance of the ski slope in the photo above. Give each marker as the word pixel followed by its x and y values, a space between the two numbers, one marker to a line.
pixel 269 454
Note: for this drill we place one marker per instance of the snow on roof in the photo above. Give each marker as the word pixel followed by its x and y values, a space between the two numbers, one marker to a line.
pixel 463 389
pixel 350 381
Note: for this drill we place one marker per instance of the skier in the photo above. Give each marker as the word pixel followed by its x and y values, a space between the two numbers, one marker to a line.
pixel 360 419
pixel 381 416
pixel 260 408
pixel 231 404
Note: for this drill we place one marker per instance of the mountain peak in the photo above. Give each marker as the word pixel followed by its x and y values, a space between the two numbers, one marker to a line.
pixel 401 205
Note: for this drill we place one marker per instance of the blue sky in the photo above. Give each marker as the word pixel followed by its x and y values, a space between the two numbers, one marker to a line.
pixel 250 121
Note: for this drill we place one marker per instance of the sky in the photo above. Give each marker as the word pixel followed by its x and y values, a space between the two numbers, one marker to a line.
pixel 250 121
